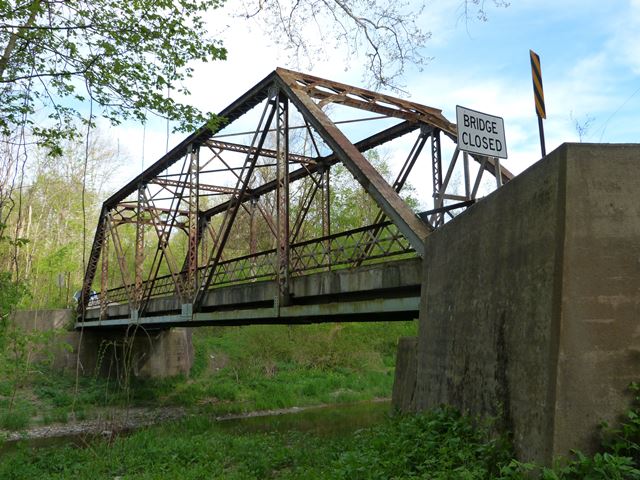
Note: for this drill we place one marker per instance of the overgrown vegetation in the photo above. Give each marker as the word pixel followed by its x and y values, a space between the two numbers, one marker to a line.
pixel 619 458
pixel 438 445
pixel 265 367
pixel 236 369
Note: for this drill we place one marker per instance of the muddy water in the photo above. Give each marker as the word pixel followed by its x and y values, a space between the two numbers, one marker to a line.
pixel 328 420
pixel 322 421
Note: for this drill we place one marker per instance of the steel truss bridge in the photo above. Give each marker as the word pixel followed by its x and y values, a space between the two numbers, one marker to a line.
pixel 243 223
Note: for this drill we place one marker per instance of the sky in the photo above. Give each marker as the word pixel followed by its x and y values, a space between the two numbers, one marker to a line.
pixel 590 58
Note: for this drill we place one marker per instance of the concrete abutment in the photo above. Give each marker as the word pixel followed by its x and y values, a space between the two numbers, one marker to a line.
pixel 530 308
pixel 137 351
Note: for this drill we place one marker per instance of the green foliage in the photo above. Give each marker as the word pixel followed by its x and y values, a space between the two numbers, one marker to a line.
pixel 11 292
pixel 18 417
pixel 257 367
pixel 443 444
pixel 625 439
pixel 53 218
pixel 125 56
pixel 439 445
pixel 237 369
pixel 619 458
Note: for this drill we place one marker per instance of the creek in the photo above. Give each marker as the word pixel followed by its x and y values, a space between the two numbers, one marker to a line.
pixel 325 420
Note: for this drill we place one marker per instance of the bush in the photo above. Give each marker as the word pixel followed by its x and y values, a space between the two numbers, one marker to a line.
pixel 438 445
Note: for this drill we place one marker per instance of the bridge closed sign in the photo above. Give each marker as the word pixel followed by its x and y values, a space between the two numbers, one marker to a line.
pixel 480 133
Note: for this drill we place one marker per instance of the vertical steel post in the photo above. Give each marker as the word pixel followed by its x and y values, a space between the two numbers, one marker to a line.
pixel 282 208
pixel 253 233
pixel 104 277
pixel 253 220
pixel 325 206
pixel 139 256
pixel 436 168
pixel 538 96
pixel 192 252
pixel 467 178
pixel 498 171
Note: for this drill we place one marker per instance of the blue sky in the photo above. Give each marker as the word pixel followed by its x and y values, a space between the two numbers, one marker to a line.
pixel 590 58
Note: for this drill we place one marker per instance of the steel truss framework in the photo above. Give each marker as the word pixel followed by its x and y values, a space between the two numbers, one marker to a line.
pixel 214 212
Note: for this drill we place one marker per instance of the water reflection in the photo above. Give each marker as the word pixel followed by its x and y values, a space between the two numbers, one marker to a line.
pixel 322 421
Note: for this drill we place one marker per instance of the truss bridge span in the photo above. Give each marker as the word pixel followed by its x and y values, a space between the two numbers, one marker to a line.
pixel 298 204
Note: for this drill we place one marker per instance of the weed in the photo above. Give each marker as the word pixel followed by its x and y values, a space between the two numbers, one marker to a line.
pixel 16 418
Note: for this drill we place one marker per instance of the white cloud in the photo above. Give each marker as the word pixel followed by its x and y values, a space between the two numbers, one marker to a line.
pixel 582 80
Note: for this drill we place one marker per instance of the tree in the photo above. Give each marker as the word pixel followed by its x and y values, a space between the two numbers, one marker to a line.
pixel 386 33
pixel 53 221
pixel 127 57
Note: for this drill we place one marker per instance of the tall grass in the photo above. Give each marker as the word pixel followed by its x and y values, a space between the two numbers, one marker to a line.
pixel 235 369
pixel 265 367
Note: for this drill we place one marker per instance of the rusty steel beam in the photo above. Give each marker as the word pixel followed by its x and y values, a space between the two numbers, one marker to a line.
pixel 436 169
pixel 355 97
pixel 233 207
pixel 163 232
pixel 235 110
pixel 193 240
pixel 307 93
pixel 368 143
pixel 124 272
pixel 282 196
pixel 204 187
pixel 303 208
pixel 104 279
pixel 265 152
pixel 315 87
pixel 384 195
pixel 399 182
pixel 92 265
pixel 139 254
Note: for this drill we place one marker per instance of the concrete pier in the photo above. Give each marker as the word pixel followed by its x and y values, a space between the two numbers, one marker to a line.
pixel 144 353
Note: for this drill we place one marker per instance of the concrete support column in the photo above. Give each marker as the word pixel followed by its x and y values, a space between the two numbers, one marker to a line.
pixel 145 353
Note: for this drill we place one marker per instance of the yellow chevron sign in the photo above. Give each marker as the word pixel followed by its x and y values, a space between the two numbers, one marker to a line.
pixel 538 91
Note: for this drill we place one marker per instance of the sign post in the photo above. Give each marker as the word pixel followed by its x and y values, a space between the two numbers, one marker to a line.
pixel 538 94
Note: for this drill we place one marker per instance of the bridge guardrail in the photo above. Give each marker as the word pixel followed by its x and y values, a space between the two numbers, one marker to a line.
pixel 364 244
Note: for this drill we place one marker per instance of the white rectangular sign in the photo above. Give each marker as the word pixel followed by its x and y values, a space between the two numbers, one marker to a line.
pixel 480 133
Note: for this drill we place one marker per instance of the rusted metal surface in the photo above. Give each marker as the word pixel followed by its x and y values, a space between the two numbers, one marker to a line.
pixel 214 212
pixel 282 198
pixel 371 180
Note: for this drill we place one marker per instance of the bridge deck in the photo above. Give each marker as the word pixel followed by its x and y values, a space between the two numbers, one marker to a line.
pixel 384 291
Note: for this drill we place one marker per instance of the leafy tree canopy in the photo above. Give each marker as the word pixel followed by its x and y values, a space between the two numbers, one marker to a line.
pixel 123 55
pixel 129 56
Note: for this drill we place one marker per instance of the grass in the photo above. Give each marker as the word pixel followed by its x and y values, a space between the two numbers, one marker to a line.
pixel 236 369
pixel 16 418
pixel 443 443
pixel 438 445
pixel 265 367
pixel 251 368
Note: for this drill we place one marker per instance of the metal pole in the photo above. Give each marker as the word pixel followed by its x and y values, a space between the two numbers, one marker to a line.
pixel 543 148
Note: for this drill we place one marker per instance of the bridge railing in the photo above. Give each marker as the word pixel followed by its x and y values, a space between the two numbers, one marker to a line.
pixel 341 250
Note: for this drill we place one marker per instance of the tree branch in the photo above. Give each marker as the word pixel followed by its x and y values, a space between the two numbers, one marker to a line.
pixel 11 44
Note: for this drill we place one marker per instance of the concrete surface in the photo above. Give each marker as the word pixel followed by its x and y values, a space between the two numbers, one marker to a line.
pixel 392 279
pixel 404 384
pixel 531 302
pixel 43 320
pixel 147 353
pixel 141 353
